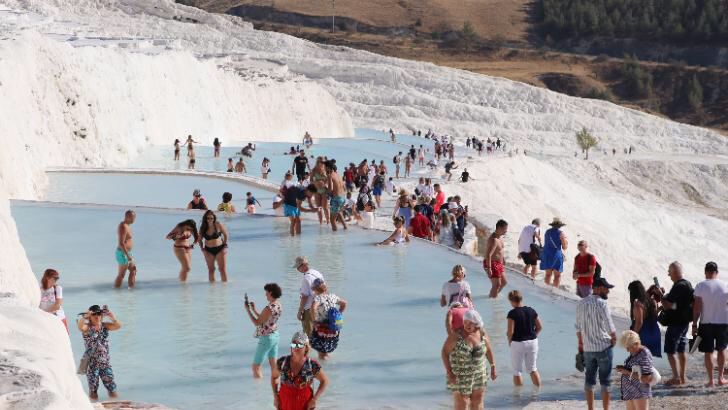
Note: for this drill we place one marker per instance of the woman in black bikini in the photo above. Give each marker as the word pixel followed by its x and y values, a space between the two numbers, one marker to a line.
pixel 214 237
pixel 181 235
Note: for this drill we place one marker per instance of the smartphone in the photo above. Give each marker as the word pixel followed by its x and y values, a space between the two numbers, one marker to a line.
pixel 246 299
pixel 657 282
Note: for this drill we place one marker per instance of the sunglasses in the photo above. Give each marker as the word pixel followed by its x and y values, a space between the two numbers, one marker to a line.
pixel 55 277
pixel 297 346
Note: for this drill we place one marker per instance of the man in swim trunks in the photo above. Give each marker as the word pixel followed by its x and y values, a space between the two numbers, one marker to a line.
pixel 335 186
pixel 123 251
pixel 293 205
pixel 494 263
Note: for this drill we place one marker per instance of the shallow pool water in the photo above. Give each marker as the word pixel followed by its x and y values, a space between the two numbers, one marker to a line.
pixel 190 345
pixel 166 191
pixel 368 144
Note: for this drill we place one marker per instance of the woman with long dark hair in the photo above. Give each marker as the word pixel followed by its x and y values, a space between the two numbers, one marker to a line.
pixel 176 149
pixel 216 143
pixel 51 295
pixel 643 312
pixel 181 235
pixel 213 241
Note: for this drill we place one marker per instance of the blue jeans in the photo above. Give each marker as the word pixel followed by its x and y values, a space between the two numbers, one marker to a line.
pixel 601 361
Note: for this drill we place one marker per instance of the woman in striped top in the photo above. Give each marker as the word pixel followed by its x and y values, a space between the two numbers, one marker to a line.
pixel 636 372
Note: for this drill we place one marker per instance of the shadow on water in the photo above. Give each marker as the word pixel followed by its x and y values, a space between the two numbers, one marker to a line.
pixel 418 302
pixel 147 284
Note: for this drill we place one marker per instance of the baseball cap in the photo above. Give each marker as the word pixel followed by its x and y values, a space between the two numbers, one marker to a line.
pixel 300 261
pixel 299 338
pixel 601 282
pixel 711 267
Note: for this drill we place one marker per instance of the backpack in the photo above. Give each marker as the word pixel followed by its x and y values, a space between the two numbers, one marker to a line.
pixel 335 320
pixel 597 271
pixel 394 160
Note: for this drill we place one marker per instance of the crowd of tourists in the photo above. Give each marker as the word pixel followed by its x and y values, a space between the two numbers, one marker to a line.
pixel 429 214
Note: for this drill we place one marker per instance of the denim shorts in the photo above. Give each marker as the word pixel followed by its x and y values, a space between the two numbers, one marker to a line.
pixel 601 361
pixel 676 338
pixel 267 348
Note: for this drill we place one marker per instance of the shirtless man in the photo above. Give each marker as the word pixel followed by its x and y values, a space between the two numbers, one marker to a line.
pixel 407 166
pixel 123 251
pixel 493 263
pixel 240 166
pixel 335 186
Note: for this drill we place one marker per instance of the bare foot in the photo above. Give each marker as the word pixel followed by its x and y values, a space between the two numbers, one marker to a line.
pixel 722 382
pixel 93 396
pixel 113 394
pixel 710 384
pixel 672 382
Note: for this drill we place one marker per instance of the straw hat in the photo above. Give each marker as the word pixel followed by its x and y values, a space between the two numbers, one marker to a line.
pixel 557 222
pixel 300 261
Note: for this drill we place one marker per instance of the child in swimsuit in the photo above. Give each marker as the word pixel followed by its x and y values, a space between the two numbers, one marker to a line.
pixel 250 202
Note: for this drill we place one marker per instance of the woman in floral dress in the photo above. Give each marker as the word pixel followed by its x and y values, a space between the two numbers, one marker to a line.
pixel 324 339
pixel 96 339
pixel 463 355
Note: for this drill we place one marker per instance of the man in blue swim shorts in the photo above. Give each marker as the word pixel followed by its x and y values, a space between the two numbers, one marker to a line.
pixel 337 191
pixel 293 198
pixel 124 257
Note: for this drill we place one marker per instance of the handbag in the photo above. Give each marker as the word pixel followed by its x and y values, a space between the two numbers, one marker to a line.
pixel 663 319
pixel 656 377
pixel 83 364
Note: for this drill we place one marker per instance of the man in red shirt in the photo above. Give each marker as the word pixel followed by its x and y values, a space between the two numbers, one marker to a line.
pixel 585 264
pixel 420 225
pixel 439 198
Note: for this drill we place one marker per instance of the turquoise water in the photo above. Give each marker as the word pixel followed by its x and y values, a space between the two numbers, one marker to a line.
pixel 368 144
pixel 164 191
pixel 190 345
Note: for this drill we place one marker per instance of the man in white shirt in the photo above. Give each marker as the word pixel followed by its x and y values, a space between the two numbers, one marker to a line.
pixel 529 236
pixel 304 308
pixel 710 308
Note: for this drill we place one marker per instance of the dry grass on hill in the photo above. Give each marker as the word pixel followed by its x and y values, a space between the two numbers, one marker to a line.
pixel 506 19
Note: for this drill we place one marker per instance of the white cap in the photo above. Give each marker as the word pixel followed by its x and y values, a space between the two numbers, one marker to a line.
pixel 473 316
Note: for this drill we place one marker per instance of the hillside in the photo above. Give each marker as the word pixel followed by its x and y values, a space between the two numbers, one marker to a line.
pixel 505 19
pixel 507 40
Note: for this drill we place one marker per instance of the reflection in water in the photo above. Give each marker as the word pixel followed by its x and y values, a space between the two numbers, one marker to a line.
pixel 190 345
